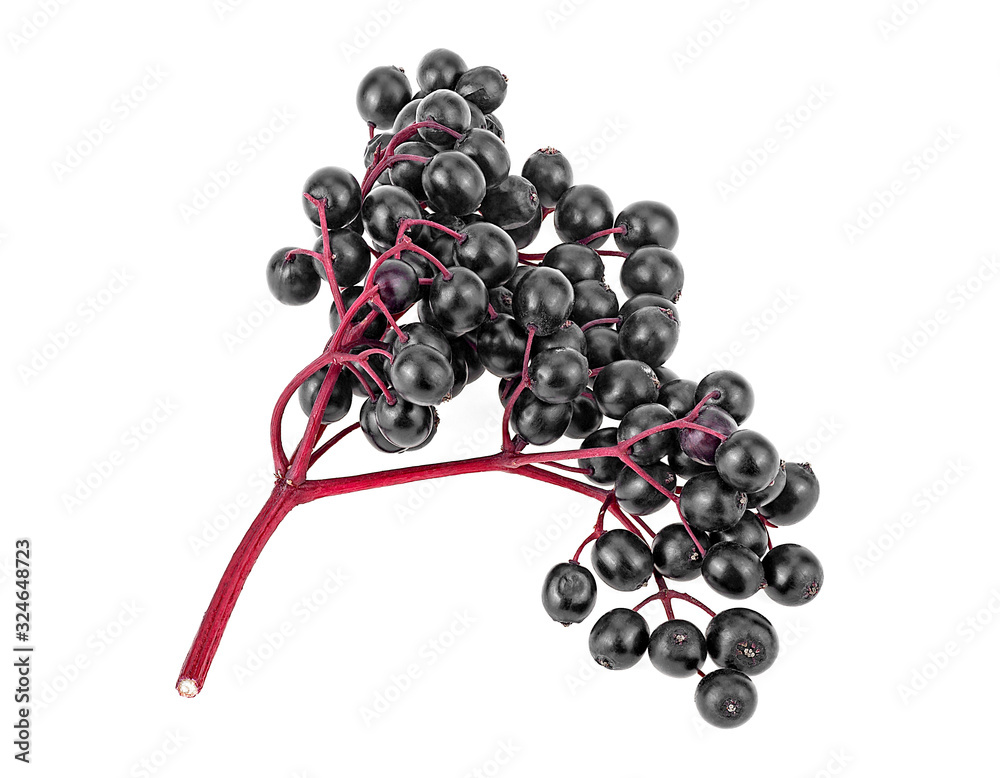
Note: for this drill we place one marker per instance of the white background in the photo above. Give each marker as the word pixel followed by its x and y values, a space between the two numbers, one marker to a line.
pixel 890 671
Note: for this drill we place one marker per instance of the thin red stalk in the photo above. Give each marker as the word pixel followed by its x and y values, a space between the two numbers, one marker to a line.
pixel 600 322
pixel 586 542
pixel 327 257
pixel 362 379
pixel 505 423
pixel 199 659
pixel 638 520
pixel 377 302
pixel 389 396
pixel 673 594
pixel 570 468
pixel 300 462
pixel 765 523
pixel 392 253
pixel 407 223
pixel 333 442
pixel 601 234
pixel 277 449
pixel 430 258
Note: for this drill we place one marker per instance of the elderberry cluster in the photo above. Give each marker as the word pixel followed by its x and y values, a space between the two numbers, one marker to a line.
pixel 447 220
pixel 736 488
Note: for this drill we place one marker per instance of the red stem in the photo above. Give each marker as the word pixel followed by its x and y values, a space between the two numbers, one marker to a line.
pixel 601 234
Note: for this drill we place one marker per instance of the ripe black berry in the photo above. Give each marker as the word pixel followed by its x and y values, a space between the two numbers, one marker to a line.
pixel 647 223
pixel 733 570
pixel 742 639
pixel 543 300
pixel 636 495
pixel 292 281
pixel 558 375
pixel 797 498
pixel 382 93
pixel 454 183
pixel 581 211
pixel 342 194
pixel 340 397
pixel 537 421
pixel 569 593
pixel 489 252
pixel 447 108
pixel 622 560
pixel 652 269
pixel 747 460
pixel 403 423
pixel 422 375
pixel 483 86
pixel 748 532
pixel 459 303
pixel 677 648
pixel 605 469
pixel 439 69
pixel 488 152
pixel 726 698
pixel 550 172
pixel 510 204
pixel 675 554
pixel 736 398
pixel 649 335
pixel 622 385
pixel 619 639
pixel 575 261
pixel 500 345
pixel 644 417
pixel 793 573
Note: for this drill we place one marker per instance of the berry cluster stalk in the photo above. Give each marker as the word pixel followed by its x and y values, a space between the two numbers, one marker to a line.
pixel 293 488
